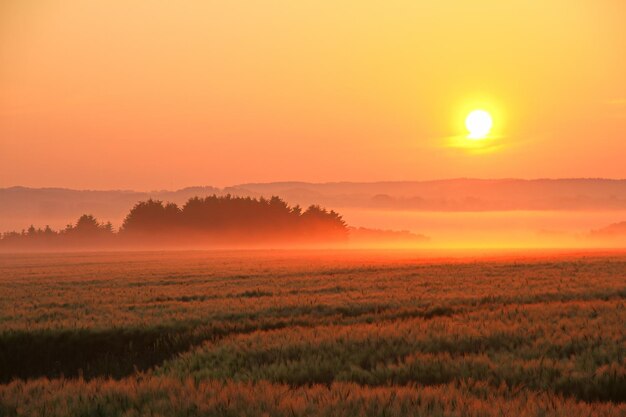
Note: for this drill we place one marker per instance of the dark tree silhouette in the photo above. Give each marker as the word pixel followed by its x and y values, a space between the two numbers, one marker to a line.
pixel 213 220
pixel 151 216
pixel 87 227
pixel 234 218
pixel 86 232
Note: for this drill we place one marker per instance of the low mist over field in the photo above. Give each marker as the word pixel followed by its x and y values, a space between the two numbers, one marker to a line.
pixel 516 213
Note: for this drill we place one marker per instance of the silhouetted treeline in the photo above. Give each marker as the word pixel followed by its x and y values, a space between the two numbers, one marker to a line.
pixel 86 232
pixel 211 220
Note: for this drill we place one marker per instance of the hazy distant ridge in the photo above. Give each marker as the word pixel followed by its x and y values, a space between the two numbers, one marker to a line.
pixel 456 194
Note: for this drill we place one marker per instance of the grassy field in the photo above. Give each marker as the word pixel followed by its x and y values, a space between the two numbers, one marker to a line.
pixel 272 333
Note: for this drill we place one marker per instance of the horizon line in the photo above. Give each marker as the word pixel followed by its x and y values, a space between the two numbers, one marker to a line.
pixel 286 182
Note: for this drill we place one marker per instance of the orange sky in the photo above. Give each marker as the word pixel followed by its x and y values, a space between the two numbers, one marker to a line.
pixel 145 95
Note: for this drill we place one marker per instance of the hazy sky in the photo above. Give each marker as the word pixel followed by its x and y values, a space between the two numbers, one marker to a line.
pixel 166 94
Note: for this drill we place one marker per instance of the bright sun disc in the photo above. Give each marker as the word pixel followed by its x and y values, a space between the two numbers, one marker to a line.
pixel 478 124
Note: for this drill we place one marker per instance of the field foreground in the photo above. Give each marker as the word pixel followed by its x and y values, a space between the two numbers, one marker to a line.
pixel 312 333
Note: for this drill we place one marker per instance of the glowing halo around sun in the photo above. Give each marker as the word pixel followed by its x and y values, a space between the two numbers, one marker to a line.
pixel 478 124
pixel 478 127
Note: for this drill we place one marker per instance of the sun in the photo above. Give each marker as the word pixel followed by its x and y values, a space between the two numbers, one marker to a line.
pixel 478 123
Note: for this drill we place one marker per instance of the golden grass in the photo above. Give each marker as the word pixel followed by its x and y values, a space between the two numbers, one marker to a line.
pixel 312 333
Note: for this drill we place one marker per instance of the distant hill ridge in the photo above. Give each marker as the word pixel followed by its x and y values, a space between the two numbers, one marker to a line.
pixel 20 206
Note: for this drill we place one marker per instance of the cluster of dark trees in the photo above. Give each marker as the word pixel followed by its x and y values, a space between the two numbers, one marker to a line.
pixel 213 220
pixel 86 231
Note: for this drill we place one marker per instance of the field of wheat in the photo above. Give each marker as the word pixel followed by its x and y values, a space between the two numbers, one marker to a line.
pixel 285 333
